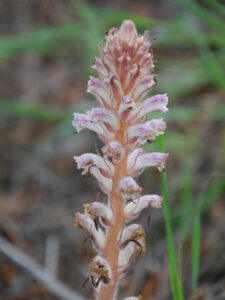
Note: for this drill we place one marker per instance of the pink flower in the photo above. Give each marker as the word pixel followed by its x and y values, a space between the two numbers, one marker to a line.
pixel 156 159
pixel 135 207
pixel 97 209
pixel 87 223
pixel 88 160
pixel 144 132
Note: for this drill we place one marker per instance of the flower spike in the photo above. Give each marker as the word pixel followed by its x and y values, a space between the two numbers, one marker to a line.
pixel 125 75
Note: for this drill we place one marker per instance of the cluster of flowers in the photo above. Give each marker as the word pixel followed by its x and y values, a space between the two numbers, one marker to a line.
pixel 125 76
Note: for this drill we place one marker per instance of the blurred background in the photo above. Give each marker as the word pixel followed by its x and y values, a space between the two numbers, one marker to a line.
pixel 46 51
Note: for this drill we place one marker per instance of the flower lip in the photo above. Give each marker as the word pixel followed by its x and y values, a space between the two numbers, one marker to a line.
pixel 103 115
pixel 101 168
pixel 152 104
pixel 148 131
pixel 142 161
pixel 87 160
pixel 87 223
pixel 135 207
pixel 81 121
pixel 84 121
pixel 96 209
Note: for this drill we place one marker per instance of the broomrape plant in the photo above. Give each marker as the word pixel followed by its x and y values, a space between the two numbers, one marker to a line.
pixel 124 77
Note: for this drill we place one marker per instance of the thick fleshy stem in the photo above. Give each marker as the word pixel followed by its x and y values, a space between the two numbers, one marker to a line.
pixel 111 250
pixel 124 71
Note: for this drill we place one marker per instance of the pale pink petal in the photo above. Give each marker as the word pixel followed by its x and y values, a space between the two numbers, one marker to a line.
pixel 87 223
pixel 97 88
pixel 127 256
pixel 155 159
pixel 116 89
pixel 132 158
pixel 155 103
pixel 100 68
pixel 109 64
pixel 142 87
pixel 82 121
pixel 97 209
pixel 132 76
pixel 146 132
pixel 135 207
pixel 105 183
pixel 102 115
pixel 124 65
pixel 87 160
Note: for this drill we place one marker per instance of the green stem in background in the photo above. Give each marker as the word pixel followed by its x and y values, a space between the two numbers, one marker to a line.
pixel 174 274
pixel 196 243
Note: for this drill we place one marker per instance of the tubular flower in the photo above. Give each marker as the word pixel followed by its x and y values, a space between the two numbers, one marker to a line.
pixel 125 76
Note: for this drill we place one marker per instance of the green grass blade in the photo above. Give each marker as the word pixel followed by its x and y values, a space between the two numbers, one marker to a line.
pixel 195 256
pixel 206 197
pixel 174 274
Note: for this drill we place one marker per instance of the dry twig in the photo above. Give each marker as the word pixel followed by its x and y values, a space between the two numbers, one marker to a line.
pixel 42 274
